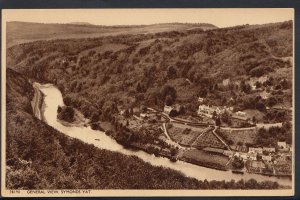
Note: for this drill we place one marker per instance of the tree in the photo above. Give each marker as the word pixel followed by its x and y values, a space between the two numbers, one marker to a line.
pixel 230 142
pixel 66 113
pixel 245 87
pixel 272 101
pixel 254 119
pixel 172 72
pixel 126 113
pixel 169 100
pixel 285 84
pixel 59 109
pixel 203 92
pixel 95 117
pixel 258 84
pixel 131 111
pixel 67 101
pixel 173 113
pixel 260 106
pixel 218 121
pixel 226 118
pixel 139 88
pixel 238 163
pixel 168 90
pixel 214 115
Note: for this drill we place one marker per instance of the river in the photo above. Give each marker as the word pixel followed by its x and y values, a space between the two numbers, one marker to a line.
pixel 53 99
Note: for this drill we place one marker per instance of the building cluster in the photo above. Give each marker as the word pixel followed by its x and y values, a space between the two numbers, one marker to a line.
pixel 238 119
pixel 209 111
pixel 263 160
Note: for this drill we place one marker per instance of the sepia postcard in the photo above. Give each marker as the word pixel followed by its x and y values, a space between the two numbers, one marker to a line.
pixel 147 102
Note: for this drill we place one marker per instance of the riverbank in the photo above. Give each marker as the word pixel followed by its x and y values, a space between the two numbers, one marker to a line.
pixel 37 102
pixel 101 140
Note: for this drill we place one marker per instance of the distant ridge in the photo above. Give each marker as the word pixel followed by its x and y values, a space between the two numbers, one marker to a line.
pixel 23 32
pixel 81 23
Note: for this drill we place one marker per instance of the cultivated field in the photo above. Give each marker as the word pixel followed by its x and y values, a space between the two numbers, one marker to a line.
pixel 183 134
pixel 208 139
pixel 238 135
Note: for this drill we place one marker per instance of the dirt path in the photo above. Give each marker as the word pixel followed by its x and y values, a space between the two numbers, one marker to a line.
pixel 214 132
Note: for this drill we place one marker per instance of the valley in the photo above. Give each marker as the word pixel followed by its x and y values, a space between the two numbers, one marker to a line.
pixel 167 96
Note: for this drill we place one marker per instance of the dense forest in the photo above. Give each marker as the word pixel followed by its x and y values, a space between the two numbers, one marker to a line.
pixel 39 157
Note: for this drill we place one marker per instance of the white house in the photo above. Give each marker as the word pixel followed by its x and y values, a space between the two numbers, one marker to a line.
pixel 167 109
pixel 255 150
pixel 269 149
pixel 209 110
pixel 226 82
pixel 200 99
pixel 281 145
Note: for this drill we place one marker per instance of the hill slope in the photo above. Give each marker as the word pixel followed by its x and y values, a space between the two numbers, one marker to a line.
pixel 22 32
pixel 132 69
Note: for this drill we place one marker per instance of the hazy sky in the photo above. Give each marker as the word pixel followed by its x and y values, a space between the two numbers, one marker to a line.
pixel 218 17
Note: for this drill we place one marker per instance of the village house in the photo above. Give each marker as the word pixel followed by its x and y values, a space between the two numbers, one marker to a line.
pixel 239 148
pixel 281 145
pixel 200 100
pixel 225 82
pixel 208 111
pixel 168 109
pixel 205 110
pixel 269 149
pixel 255 150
